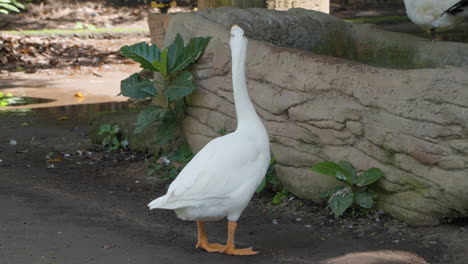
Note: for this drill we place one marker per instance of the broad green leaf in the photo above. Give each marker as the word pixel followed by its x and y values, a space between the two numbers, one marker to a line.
pixel 124 143
pixel 142 53
pixel 182 154
pixel 180 87
pixel 3 11
pixel 115 141
pixel 106 140
pixel 332 169
pixel 262 185
pixel 163 64
pixel 175 51
pixel 115 129
pixel 165 132
pixel 191 53
pixel 369 176
pixel 221 131
pixel 341 200
pixel 148 116
pixel 332 191
pixel 150 90
pixel 156 65
pixel 137 87
pixel 104 129
pixel 364 199
pixel 349 168
pixel 278 198
pixel 9 7
pixel 18 4
pixel 271 168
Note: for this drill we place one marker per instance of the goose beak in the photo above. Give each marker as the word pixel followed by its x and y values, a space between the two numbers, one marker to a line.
pixel 235 30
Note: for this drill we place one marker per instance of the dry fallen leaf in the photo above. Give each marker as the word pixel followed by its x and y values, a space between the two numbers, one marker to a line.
pixel 58 159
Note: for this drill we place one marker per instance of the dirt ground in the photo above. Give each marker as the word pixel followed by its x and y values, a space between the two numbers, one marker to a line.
pixel 90 207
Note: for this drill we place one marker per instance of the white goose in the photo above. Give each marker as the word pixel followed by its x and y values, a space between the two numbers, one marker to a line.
pixel 222 178
pixel 436 14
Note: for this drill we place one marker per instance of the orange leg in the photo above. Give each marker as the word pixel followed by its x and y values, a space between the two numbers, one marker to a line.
pixel 203 240
pixel 230 248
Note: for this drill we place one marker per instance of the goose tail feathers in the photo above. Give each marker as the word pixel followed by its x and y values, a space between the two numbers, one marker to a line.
pixel 158 203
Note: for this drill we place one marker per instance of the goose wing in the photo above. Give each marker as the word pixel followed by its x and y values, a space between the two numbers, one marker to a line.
pixel 217 170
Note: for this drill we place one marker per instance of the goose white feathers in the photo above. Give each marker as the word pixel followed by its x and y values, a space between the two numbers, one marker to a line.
pixel 223 176
pixel 436 14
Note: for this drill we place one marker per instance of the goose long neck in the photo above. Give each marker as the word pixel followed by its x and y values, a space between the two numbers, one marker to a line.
pixel 246 115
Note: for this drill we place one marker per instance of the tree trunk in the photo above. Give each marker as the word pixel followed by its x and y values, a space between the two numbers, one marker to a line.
pixel 235 3
pixel 319 5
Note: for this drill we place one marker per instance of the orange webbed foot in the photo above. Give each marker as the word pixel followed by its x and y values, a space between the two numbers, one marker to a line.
pixel 210 247
pixel 239 251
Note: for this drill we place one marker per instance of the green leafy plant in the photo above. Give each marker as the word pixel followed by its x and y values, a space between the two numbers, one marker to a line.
pixel 222 131
pixel 169 165
pixel 271 182
pixel 112 137
pixel 5 99
pixel 171 85
pixel 356 190
pixel 9 100
pixel 7 6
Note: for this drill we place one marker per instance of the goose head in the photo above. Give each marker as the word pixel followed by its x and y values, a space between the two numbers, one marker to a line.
pixel 237 34
pixel 238 45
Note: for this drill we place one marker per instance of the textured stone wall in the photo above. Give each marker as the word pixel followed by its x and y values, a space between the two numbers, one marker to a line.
pixel 413 124
pixel 381 4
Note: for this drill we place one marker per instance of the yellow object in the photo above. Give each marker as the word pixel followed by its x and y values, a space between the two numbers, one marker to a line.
pixel 58 159
pixel 79 97
pixel 162 4
pixel 63 118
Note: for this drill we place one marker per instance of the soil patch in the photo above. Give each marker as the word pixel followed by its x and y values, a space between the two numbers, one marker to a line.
pixel 56 158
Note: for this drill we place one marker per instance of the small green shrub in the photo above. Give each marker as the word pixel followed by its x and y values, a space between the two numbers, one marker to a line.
pixel 112 137
pixel 173 84
pixel 271 182
pixel 7 6
pixel 354 192
pixel 5 99
pixel 169 165
pixel 222 131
